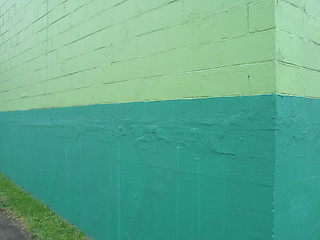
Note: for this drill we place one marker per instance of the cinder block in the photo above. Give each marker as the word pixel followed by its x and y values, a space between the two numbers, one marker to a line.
pixel 294 50
pixel 261 15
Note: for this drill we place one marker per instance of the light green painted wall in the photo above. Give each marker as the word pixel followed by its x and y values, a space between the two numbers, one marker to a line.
pixel 56 53
pixel 298 47
pixel 66 53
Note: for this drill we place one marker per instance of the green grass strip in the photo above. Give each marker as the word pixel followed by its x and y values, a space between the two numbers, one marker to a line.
pixel 38 220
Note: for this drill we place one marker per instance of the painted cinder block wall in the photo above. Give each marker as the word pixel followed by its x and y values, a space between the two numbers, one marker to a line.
pixel 70 53
pixel 297 172
pixel 165 119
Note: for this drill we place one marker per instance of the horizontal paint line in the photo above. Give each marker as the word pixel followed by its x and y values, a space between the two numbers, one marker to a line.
pixel 151 101
pixel 166 100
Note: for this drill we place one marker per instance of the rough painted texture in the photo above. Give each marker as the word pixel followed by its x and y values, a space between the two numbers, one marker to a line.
pixel 297 175
pixel 298 47
pixel 66 53
pixel 183 169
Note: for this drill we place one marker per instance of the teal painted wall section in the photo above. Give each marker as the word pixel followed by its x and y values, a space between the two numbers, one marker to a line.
pixel 297 175
pixel 182 169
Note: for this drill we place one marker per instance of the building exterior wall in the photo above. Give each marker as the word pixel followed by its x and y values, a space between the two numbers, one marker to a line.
pixel 70 53
pixel 297 48
pixel 149 170
pixel 297 143
pixel 165 119
pixel 296 187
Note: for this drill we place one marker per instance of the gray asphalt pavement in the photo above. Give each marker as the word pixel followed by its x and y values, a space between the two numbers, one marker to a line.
pixel 9 230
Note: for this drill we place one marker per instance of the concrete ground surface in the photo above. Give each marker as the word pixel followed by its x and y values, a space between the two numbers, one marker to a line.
pixel 10 230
